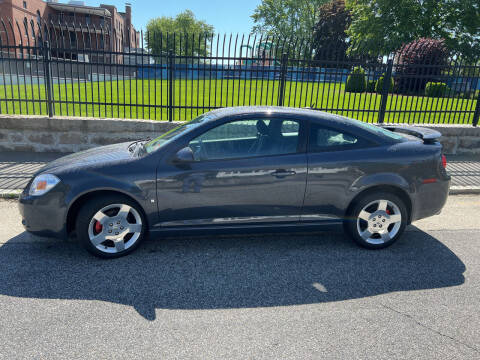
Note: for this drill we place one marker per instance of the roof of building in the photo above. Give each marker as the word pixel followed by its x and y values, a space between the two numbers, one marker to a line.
pixel 80 9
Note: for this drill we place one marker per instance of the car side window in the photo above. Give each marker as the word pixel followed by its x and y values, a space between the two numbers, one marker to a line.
pixel 247 138
pixel 327 139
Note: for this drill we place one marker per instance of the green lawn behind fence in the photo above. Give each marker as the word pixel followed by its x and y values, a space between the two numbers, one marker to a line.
pixel 148 99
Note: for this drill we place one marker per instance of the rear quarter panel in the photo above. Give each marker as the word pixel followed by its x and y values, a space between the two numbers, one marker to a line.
pixel 336 178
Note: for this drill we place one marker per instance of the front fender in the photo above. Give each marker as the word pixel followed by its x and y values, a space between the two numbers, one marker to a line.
pixel 143 192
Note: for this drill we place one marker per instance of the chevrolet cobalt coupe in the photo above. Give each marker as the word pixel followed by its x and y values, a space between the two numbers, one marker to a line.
pixel 243 169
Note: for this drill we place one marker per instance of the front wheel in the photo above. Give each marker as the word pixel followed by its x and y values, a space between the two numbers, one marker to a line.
pixel 110 226
pixel 377 220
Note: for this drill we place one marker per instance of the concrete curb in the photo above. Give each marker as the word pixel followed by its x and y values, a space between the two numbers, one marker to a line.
pixel 461 190
pixel 10 194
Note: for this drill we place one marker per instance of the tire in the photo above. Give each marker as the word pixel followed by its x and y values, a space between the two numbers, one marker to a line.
pixel 115 219
pixel 377 220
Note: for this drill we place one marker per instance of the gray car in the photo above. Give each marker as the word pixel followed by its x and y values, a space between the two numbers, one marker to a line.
pixel 243 169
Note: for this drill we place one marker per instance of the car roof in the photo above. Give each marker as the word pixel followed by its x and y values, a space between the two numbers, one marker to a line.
pixel 281 110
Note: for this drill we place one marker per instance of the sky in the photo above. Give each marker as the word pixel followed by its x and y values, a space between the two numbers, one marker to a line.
pixel 226 16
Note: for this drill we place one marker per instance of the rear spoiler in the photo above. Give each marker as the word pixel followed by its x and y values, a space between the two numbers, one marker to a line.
pixel 427 135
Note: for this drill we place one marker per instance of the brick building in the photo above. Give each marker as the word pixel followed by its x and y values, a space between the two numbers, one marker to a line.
pixel 70 26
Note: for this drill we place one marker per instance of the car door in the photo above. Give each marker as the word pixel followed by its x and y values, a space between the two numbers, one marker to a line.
pixel 336 158
pixel 247 170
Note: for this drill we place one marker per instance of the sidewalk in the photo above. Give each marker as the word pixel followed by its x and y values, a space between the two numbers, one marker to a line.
pixel 16 168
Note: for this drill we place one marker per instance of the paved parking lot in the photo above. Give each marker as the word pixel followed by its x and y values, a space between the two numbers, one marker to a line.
pixel 267 296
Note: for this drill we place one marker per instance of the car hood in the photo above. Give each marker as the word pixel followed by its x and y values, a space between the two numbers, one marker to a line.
pixel 92 158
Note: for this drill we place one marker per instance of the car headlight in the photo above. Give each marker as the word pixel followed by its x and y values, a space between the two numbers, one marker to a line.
pixel 43 184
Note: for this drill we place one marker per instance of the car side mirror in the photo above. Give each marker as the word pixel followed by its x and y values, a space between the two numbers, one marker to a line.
pixel 184 155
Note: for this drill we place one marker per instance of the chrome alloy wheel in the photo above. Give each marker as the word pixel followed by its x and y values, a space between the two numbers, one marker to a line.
pixel 379 221
pixel 115 228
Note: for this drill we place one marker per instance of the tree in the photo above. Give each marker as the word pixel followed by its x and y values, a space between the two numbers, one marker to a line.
pixel 286 18
pixel 419 62
pixel 380 27
pixel 189 38
pixel 329 36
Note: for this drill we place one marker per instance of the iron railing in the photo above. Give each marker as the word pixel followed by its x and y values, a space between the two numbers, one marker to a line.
pixel 81 70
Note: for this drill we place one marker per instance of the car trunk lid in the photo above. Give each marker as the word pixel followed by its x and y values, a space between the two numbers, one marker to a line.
pixel 428 136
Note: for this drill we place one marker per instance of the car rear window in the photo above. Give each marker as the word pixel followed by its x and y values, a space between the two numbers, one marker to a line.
pixel 379 130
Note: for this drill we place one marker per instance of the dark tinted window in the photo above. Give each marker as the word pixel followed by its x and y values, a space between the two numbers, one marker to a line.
pixel 247 138
pixel 327 139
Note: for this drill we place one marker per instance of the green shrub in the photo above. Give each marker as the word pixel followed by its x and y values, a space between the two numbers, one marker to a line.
pixel 379 86
pixel 436 89
pixel 356 81
pixel 371 86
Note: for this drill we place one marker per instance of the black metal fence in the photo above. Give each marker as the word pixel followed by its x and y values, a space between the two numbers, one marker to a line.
pixel 77 70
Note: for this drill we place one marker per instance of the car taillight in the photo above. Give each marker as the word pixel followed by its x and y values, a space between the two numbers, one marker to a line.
pixel 444 161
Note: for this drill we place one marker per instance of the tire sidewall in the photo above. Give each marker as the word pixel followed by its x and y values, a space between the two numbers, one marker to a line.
pixel 351 225
pixel 90 208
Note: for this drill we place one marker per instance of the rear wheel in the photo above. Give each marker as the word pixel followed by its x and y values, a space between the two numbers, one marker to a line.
pixel 110 226
pixel 377 220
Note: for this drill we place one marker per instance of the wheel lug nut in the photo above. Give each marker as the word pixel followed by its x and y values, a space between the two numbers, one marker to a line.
pixel 118 222
pixel 110 231
pixel 374 225
pixel 116 233
pixel 383 220
pixel 379 225
pixel 374 219
pixel 121 227
pixel 111 224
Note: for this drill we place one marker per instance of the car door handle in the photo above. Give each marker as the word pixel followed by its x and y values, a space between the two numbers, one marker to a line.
pixel 281 173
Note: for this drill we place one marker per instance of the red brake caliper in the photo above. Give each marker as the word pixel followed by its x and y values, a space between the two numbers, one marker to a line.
pixel 388 212
pixel 98 227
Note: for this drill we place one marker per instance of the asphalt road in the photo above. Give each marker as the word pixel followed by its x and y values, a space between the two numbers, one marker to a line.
pixel 267 296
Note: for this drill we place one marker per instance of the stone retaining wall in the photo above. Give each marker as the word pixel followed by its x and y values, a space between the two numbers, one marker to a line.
pixel 62 134
pixel 458 139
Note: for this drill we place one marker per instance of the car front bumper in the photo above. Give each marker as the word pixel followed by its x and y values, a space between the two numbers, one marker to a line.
pixel 44 215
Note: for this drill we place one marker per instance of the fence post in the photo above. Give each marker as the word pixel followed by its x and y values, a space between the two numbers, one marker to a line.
pixel 476 115
pixel 48 77
pixel 171 79
pixel 385 89
pixel 283 77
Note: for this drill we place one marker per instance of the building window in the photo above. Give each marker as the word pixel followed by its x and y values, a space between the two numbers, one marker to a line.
pixel 73 39
pixel 24 4
pixel 25 24
pixel 87 42
pixel 88 20
pixel 39 17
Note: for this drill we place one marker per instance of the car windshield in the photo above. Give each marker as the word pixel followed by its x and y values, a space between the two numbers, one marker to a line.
pixel 169 136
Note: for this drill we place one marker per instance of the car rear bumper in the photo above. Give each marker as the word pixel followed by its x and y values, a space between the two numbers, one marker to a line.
pixel 43 215
pixel 429 199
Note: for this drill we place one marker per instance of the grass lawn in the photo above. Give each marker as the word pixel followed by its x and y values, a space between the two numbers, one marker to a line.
pixel 148 99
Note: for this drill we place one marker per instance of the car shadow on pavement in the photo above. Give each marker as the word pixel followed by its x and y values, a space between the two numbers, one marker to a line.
pixel 227 272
